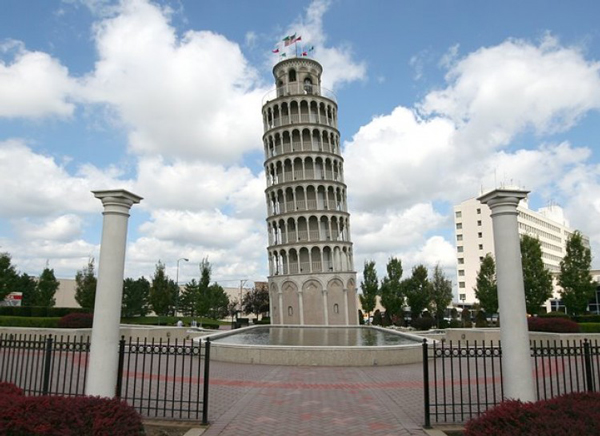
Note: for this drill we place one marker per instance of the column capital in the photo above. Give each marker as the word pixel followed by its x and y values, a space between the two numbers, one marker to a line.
pixel 117 201
pixel 503 201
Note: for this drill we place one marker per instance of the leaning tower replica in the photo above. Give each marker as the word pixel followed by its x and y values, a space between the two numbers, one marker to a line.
pixel 311 274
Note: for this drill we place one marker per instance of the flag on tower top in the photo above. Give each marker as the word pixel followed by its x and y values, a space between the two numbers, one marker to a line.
pixel 275 50
pixel 288 40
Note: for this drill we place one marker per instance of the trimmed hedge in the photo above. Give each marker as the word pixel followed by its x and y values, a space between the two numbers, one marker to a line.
pixel 552 325
pixel 20 321
pixel 554 315
pixel 582 319
pixel 76 321
pixel 39 312
pixel 575 414
pixel 422 323
pixel 590 327
pixel 64 416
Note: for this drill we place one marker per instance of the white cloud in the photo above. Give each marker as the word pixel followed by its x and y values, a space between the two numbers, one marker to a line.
pixel 63 228
pixel 33 84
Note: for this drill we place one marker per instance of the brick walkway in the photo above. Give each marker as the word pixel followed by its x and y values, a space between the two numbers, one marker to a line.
pixel 306 401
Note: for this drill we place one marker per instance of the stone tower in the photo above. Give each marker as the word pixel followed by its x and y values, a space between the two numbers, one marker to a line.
pixel 311 273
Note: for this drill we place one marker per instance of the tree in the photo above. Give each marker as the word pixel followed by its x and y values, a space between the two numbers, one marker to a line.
pixel 85 291
pixel 8 276
pixel 163 292
pixel 418 291
pixel 486 289
pixel 441 293
pixel 135 297
pixel 28 286
pixel 188 298
pixel 46 288
pixel 256 301
pixel 537 280
pixel 212 300
pixel 392 295
pixel 370 287
pixel 575 278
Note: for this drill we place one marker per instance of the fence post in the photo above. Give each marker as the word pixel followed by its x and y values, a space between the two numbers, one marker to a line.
pixel 205 386
pixel 47 366
pixel 426 384
pixel 587 359
pixel 120 367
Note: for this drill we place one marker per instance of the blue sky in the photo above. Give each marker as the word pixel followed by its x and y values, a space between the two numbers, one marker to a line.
pixel 163 98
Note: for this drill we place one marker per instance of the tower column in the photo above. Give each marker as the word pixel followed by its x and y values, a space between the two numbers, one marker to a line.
pixel 280 297
pixel 325 307
pixel 301 306
pixel 346 314
pixel 104 357
pixel 516 360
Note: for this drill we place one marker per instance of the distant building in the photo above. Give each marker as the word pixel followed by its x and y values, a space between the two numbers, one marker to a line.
pixel 474 239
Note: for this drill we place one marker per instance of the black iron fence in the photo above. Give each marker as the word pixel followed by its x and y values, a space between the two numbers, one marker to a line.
pixel 463 380
pixel 160 379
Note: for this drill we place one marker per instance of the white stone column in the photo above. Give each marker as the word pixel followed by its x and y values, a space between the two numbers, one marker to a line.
pixel 280 295
pixel 325 307
pixel 301 306
pixel 104 356
pixel 516 360
pixel 346 309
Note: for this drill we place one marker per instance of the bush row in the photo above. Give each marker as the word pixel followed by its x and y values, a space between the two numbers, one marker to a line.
pixel 570 415
pixel 65 416
pixel 19 321
pixel 76 321
pixel 553 325
pixel 590 327
pixel 39 312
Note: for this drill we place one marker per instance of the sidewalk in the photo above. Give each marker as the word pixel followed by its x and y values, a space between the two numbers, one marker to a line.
pixel 306 401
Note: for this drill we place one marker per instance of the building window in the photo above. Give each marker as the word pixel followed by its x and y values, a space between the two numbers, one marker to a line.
pixel 481 246
pixel 290 311
pixel 479 222
pixel 461 284
pixel 462 297
pixel 459 237
pixel 458 214
pixel 480 258
pixel 459 248
pixel 292 76
pixel 458 226
pixel 461 261
pixel 336 308
pixel 478 211
pixel 480 235
pixel 461 272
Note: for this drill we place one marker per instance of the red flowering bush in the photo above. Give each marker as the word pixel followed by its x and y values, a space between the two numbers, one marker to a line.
pixel 76 321
pixel 553 325
pixel 570 415
pixel 9 390
pixel 68 416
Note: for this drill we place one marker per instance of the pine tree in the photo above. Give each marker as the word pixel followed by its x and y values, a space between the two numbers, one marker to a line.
pixel 441 293
pixel 188 298
pixel 8 276
pixel 486 289
pixel 85 291
pixel 575 278
pixel 46 288
pixel 163 292
pixel 28 287
pixel 418 291
pixel 537 280
pixel 135 297
pixel 370 288
pixel 392 296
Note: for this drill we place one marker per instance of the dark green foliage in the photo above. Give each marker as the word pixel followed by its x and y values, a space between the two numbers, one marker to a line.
pixel 27 311
pixel 46 288
pixel 392 295
pixel 163 292
pixel 466 318
pixel 214 302
pixel 256 301
pixel 418 291
pixel 480 319
pixel 486 289
pixel 135 297
pixel 188 298
pixel 85 292
pixel 586 318
pixel 455 324
pixel 370 287
pixel 361 317
pixel 422 323
pixel 554 315
pixel 8 276
pixel 589 327
pixel 377 319
pixel 575 278
pixel 537 280
pixel 30 321
pixel 441 294
pixel 27 285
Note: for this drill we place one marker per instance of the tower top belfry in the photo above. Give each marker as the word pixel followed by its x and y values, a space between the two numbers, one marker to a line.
pixel 311 273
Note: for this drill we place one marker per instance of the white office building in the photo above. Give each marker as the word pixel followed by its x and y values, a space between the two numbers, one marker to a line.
pixel 474 239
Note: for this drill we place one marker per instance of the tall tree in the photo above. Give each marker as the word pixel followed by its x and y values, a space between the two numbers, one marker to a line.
pixel 203 302
pixel 370 287
pixel 575 278
pixel 441 293
pixel 217 302
pixel 28 286
pixel 392 295
pixel 8 276
pixel 135 297
pixel 256 301
pixel 46 288
pixel 418 291
pixel 188 298
pixel 85 291
pixel 486 289
pixel 163 292
pixel 537 280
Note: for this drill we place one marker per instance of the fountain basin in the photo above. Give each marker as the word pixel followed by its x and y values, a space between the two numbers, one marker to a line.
pixel 316 346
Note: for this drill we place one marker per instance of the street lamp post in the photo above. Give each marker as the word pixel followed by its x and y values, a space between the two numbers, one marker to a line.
pixel 177 283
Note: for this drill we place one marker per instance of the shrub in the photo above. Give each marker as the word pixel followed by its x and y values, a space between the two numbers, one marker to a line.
pixel 481 319
pixel 575 414
pixel 9 389
pixel 54 416
pixel 263 320
pixel 443 324
pixel 76 321
pixel 19 321
pixel 582 319
pixel 210 325
pixel 553 325
pixel 590 327
pixel 455 324
pixel 377 320
pixel 554 315
pixel 422 323
pixel 466 318
pixel 361 317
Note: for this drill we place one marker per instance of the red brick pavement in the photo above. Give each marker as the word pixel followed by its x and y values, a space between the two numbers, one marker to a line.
pixel 306 401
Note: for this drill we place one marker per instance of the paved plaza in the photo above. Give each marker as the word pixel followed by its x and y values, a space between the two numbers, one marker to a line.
pixel 297 401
